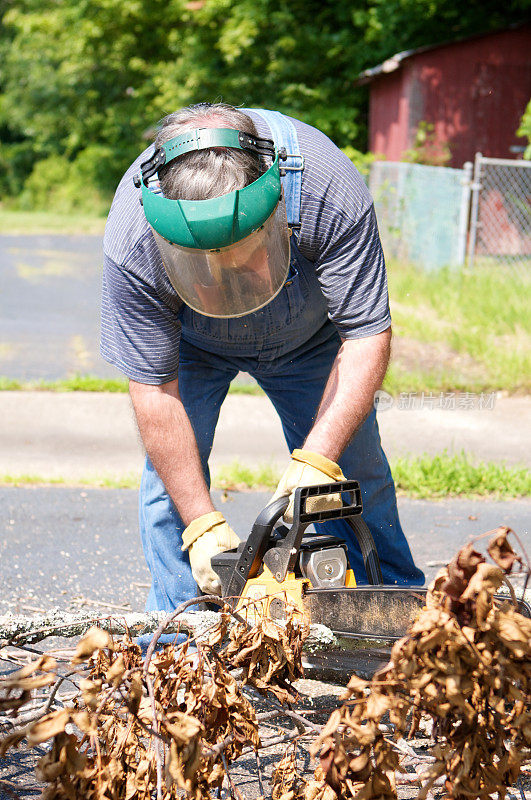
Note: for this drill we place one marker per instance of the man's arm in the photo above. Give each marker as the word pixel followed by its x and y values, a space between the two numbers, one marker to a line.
pixel 357 373
pixel 170 444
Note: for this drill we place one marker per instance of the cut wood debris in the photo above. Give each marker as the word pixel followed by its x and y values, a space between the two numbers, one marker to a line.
pixel 179 719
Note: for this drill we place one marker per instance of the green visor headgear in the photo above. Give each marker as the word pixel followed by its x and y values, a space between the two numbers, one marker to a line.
pixel 227 256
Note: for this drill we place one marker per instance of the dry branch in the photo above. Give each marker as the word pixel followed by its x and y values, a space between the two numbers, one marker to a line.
pixel 20 629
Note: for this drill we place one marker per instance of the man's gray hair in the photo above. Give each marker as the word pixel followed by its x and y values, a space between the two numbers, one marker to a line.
pixel 203 174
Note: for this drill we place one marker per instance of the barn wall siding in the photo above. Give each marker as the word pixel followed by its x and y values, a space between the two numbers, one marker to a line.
pixel 473 92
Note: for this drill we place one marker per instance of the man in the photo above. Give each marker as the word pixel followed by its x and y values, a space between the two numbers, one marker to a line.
pixel 210 269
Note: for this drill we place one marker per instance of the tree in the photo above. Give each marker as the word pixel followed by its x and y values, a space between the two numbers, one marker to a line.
pixel 100 73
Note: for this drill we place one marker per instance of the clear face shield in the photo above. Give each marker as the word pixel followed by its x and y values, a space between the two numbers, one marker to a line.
pixel 235 280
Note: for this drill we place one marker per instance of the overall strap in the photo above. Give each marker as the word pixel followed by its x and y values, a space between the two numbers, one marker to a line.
pixel 285 135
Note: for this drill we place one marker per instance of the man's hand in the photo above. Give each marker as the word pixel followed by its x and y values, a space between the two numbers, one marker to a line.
pixel 309 469
pixel 206 537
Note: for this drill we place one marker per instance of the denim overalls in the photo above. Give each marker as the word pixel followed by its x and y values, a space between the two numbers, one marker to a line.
pixel 289 347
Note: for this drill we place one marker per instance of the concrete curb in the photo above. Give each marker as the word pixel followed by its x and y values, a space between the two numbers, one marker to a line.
pixel 80 434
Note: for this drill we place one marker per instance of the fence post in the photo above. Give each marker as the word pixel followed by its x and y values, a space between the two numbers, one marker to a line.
pixel 464 212
pixel 476 188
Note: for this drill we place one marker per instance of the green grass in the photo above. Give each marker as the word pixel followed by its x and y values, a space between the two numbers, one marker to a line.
pixel 246 388
pixel 76 383
pixel 425 476
pixel 447 475
pixel 476 325
pixel 128 481
pixel 17 223
pixel 90 383
pixel 434 380
pixel 429 477
pixel 242 476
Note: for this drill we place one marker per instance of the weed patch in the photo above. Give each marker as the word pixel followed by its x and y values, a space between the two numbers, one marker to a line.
pixel 447 475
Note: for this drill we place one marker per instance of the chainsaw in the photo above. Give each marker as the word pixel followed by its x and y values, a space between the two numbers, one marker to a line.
pixel 280 570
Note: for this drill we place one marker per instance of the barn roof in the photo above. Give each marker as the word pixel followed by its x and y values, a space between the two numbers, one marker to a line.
pixel 395 62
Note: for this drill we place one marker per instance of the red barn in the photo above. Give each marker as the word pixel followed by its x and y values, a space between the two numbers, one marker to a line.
pixel 473 92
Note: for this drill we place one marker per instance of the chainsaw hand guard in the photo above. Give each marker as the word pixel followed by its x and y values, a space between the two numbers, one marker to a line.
pixel 354 507
pixel 282 559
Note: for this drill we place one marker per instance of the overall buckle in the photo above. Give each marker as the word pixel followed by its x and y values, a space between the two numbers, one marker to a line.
pixel 283 155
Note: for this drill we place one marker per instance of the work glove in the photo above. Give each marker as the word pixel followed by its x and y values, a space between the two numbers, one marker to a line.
pixel 206 537
pixel 309 469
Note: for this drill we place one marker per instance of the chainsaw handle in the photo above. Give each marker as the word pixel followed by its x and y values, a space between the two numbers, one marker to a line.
pixel 271 513
pixel 255 547
pixel 282 559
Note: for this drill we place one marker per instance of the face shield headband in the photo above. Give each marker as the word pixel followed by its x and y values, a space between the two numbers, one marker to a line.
pixel 229 255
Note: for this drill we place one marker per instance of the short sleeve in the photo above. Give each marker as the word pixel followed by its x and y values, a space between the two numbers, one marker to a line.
pixel 339 234
pixel 140 333
pixel 353 279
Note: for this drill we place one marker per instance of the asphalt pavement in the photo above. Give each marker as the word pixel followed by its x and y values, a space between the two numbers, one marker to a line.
pixel 80 548
pixel 50 288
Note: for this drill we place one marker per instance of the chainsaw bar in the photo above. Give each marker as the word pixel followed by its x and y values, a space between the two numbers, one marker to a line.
pixel 373 613
pixel 366 621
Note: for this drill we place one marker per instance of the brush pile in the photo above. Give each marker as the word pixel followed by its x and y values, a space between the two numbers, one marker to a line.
pixel 464 668
pixel 177 720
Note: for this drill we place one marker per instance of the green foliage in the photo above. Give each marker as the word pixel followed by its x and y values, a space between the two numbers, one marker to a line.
pixel 84 80
pixel 525 129
pixel 362 161
pixel 428 148
pixel 58 184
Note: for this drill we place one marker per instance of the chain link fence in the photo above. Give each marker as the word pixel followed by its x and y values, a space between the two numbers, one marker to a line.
pixel 437 216
pixel 500 220
pixel 422 211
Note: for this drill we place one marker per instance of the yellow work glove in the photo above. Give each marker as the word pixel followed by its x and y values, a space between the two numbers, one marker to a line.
pixel 204 538
pixel 309 469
